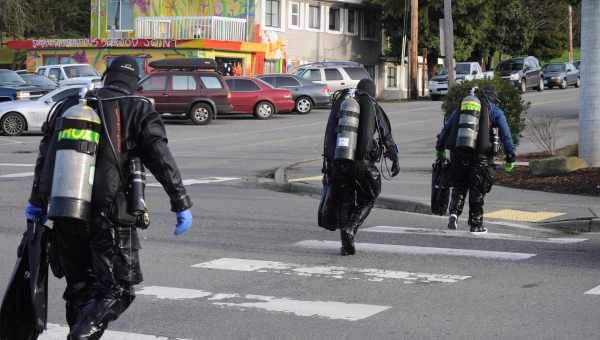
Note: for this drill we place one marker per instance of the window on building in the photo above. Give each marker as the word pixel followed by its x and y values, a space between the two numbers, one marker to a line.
pixel 391 75
pixel 119 15
pixel 155 83
pixel 272 66
pixel 272 13
pixel 335 19
pixel 295 14
pixel 183 83
pixel 314 17
pixel 211 82
pixel 352 26
pixel 312 75
pixel 333 74
pixel 369 30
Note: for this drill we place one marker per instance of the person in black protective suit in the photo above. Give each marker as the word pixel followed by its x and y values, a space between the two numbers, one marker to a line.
pixel 100 259
pixel 473 171
pixel 355 186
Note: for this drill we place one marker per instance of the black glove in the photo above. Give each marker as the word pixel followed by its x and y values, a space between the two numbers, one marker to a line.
pixel 395 168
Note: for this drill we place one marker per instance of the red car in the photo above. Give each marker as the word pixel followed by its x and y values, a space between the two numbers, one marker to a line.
pixel 254 96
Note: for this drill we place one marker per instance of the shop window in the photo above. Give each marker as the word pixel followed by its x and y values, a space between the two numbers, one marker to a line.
pixel 50 60
pixel 352 21
pixel 272 13
pixel 119 15
pixel 391 76
pixel 314 17
pixel 335 20
pixel 295 14
pixel 56 59
pixel 272 66
pixel 64 60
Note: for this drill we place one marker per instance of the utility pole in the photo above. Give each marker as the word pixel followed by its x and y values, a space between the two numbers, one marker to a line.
pixel 589 117
pixel 414 46
pixel 449 41
pixel 571 34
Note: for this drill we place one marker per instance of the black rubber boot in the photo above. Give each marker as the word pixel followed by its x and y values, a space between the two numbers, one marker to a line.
pixel 94 320
pixel 347 243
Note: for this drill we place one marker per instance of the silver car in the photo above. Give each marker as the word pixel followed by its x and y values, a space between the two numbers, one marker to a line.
pixel 337 75
pixel 19 116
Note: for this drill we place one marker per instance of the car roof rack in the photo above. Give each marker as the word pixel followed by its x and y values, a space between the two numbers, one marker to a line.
pixel 330 63
pixel 185 64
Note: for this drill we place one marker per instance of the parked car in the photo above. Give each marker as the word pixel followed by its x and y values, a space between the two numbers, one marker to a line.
pixel 306 94
pixel 13 87
pixel 256 97
pixel 28 115
pixel 524 73
pixel 198 94
pixel 561 74
pixel 464 71
pixel 337 75
pixel 71 74
pixel 45 84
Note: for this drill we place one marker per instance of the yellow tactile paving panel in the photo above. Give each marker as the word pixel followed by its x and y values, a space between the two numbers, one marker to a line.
pixel 523 216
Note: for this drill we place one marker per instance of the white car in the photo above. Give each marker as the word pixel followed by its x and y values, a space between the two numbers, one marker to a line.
pixel 71 74
pixel 29 115
pixel 464 71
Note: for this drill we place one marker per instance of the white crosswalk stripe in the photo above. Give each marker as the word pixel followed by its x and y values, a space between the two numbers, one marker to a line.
pixel 416 250
pixel 18 175
pixel 593 291
pixel 207 180
pixel 466 234
pixel 58 332
pixel 324 309
pixel 332 272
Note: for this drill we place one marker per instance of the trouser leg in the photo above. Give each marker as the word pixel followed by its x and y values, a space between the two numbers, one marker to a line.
pixel 481 182
pixel 460 183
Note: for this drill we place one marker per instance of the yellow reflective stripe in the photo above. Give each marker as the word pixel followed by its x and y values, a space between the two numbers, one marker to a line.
pixel 78 134
pixel 470 106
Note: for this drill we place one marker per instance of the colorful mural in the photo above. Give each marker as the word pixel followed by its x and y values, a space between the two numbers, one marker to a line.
pixel 160 8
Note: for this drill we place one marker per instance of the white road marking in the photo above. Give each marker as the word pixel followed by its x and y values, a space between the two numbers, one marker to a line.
pixel 464 233
pixel 324 309
pixel 58 332
pixel 333 272
pixel 17 164
pixel 207 180
pixel 593 291
pixel 18 175
pixel 415 250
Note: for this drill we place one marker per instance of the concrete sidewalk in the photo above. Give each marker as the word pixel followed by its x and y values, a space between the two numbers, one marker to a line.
pixel 410 192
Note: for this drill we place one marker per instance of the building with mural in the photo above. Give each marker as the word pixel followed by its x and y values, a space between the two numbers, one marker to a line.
pixel 244 36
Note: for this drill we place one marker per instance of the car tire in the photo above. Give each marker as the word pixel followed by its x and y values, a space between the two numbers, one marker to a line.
pixel 201 114
pixel 13 124
pixel 264 110
pixel 540 87
pixel 523 85
pixel 564 84
pixel 303 105
pixel 578 83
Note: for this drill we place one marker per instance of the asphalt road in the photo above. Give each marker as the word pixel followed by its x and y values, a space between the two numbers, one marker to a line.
pixel 256 266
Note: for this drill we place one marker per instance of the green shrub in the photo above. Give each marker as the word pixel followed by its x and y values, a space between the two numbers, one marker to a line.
pixel 509 100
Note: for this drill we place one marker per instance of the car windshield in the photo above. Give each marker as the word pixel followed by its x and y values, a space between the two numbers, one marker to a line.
pixel 10 77
pixel 554 68
pixel 37 79
pixel 511 65
pixel 77 71
pixel 463 68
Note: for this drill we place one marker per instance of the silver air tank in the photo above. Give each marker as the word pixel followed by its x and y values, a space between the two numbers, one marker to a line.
pixel 468 123
pixel 347 130
pixel 78 137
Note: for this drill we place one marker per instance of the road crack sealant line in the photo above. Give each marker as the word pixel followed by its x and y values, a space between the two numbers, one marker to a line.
pixel 281 183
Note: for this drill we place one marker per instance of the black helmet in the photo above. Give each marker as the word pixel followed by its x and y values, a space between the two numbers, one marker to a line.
pixel 123 72
pixel 367 86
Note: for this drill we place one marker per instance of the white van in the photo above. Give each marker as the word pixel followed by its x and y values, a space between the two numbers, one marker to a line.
pixel 71 74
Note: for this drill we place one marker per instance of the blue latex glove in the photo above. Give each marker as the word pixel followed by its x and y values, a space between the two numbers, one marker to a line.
pixel 184 221
pixel 33 212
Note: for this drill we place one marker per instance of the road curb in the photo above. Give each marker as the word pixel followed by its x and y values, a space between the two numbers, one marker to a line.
pixel 282 184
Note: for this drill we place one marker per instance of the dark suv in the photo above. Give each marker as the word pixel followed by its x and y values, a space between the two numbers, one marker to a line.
pixel 524 73
pixel 13 87
pixel 196 94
